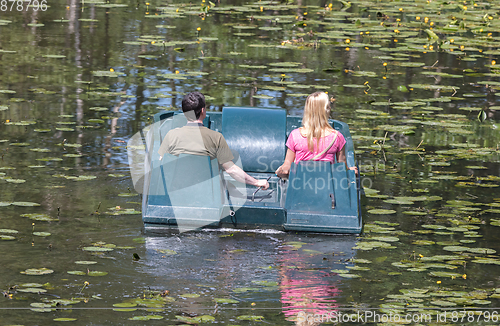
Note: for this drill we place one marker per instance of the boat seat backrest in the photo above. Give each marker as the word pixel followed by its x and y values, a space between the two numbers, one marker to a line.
pixel 192 180
pixel 257 136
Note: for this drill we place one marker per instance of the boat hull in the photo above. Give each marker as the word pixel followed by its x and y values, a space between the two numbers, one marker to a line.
pixel 318 196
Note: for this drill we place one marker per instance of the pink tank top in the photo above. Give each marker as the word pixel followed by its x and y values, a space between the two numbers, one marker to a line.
pixel 298 144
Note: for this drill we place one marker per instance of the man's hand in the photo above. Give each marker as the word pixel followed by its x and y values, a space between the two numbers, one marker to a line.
pixel 241 176
pixel 263 184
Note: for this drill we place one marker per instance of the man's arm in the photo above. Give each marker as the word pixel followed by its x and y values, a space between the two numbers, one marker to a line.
pixel 239 175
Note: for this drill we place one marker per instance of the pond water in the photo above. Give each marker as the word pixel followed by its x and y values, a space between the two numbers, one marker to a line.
pixel 416 81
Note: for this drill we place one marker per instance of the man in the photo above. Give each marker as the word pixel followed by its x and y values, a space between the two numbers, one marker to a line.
pixel 196 139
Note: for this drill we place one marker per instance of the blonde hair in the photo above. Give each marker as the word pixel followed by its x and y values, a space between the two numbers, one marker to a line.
pixel 315 119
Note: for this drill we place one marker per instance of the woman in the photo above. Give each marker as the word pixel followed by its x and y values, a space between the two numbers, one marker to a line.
pixel 316 140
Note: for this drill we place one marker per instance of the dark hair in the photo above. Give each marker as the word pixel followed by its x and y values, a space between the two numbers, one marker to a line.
pixel 194 101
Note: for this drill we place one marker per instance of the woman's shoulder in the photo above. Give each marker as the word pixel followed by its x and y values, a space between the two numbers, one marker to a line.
pixel 337 135
pixel 332 133
pixel 339 139
pixel 296 132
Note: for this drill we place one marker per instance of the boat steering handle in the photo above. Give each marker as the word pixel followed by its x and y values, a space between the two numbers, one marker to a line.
pixel 253 195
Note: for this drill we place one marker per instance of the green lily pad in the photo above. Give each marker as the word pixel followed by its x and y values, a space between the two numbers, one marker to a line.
pixel 225 300
pixel 381 211
pixel 40 217
pixel 37 271
pixel 127 194
pixel 415 213
pixel 25 204
pixel 443 303
pixel 147 317
pixel 107 73
pixel 423 242
pixel 40 150
pixel 185 319
pixel 95 120
pixel 32 290
pixel 476 167
pixel 407 129
pixel 97 273
pixel 398 202
pixel 76 273
pixel 445 274
pixel 347 275
pixel 41 234
pixel 64 319
pixel 250 318
pixel 340 271
pixel 81 177
pixel 10 231
pixel 126 211
pixel 97 249
pixel 358 268
pixel 448 243
pixel 386 239
pixel 434 227
pixel 360 261
pixel 125 309
pixel 31 285
pixel 41 307
pixel 15 180
pixel 54 56
pixel 85 262
pixel 125 305
pixel 266 283
pixel 113 175
pixel 482 251
pixel 439 163
pixel 455 248
pixel 190 295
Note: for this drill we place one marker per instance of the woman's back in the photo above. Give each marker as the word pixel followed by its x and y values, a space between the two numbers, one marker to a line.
pixel 297 142
pixel 316 140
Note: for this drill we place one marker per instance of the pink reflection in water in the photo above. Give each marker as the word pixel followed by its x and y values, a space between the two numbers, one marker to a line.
pixel 304 289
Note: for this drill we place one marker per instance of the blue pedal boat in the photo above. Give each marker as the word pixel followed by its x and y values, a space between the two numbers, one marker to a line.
pixel 191 192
